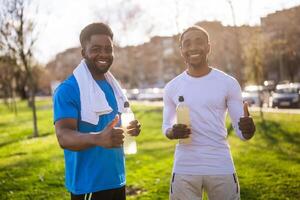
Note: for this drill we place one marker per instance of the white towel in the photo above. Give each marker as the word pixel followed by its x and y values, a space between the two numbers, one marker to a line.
pixel 92 98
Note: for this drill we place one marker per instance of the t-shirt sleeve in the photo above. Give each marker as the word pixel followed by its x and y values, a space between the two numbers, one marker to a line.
pixel 64 103
pixel 169 111
pixel 235 105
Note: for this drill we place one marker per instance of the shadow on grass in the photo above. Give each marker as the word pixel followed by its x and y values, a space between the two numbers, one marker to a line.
pixel 275 136
pixel 271 131
pixel 133 190
pixel 11 141
pixel 247 192
pixel 230 129
pixel 14 123
pixel 41 135
pixel 3 144
pixel 4 124
pixel 28 177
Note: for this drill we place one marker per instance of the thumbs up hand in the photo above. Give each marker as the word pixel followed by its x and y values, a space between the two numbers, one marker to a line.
pixel 246 124
pixel 246 111
pixel 111 137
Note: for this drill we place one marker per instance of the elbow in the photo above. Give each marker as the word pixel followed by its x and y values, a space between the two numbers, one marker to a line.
pixel 65 136
pixel 61 141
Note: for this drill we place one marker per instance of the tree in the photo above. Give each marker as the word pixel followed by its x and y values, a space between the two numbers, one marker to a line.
pixel 254 64
pixel 7 81
pixel 281 31
pixel 17 39
pixel 237 44
pixel 125 17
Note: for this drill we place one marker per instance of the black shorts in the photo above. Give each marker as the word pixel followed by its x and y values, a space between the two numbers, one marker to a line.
pixel 112 194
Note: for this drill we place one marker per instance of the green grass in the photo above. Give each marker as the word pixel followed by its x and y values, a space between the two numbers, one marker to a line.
pixel 33 168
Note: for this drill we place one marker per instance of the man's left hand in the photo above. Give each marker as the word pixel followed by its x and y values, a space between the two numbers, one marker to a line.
pixel 246 124
pixel 134 128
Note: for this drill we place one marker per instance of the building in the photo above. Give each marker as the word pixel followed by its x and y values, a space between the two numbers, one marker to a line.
pixel 282 46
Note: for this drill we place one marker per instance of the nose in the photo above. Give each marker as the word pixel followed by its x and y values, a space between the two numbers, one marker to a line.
pixel 104 54
pixel 194 47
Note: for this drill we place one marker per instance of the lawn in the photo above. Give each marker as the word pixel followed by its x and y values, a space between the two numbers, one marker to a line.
pixel 33 168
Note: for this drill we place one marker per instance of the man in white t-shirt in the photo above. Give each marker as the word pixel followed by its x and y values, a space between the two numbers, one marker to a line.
pixel 204 163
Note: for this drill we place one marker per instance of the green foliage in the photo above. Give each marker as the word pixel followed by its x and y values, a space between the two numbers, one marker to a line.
pixel 268 166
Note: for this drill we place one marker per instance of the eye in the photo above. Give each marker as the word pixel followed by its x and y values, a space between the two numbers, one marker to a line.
pixel 108 49
pixel 95 50
pixel 200 41
pixel 186 44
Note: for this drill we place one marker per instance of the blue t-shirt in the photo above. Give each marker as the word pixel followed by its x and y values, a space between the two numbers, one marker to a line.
pixel 96 168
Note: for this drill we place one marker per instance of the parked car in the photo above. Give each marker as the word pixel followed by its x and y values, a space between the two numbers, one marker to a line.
pixel 151 94
pixel 132 94
pixel 286 95
pixel 253 95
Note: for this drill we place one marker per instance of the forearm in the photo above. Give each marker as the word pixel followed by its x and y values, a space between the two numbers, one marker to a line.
pixel 169 113
pixel 74 140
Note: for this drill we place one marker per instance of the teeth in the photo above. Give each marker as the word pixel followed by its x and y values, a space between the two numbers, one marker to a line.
pixel 102 62
pixel 194 55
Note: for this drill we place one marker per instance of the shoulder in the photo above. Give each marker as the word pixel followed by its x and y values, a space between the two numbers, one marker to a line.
pixel 228 79
pixel 175 82
pixel 68 87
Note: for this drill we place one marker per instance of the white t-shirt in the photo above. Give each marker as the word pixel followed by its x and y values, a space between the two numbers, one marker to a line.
pixel 208 98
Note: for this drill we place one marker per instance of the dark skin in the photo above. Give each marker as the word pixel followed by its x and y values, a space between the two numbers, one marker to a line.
pixel 246 124
pixel 195 49
pixel 98 53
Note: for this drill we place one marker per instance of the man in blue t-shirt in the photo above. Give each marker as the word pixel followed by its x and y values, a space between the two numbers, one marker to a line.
pixel 94 163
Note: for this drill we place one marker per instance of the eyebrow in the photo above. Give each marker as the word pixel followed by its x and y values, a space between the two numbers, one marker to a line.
pixel 197 38
pixel 96 45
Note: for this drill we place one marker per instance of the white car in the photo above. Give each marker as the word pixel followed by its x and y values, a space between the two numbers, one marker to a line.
pixel 253 95
pixel 151 94
pixel 132 94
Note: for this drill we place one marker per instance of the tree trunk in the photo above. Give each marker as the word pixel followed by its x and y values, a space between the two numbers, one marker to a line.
pixel 35 128
pixel 32 104
pixel 14 105
pixel 261 113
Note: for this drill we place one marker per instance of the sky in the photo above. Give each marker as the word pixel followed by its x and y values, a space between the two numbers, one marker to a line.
pixel 59 22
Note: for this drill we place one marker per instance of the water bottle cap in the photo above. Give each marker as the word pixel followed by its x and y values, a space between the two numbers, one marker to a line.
pixel 126 104
pixel 181 99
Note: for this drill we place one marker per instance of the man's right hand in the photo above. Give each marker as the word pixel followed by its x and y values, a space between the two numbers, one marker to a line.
pixel 178 131
pixel 110 137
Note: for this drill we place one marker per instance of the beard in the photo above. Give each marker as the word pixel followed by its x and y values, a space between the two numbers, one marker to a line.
pixel 93 66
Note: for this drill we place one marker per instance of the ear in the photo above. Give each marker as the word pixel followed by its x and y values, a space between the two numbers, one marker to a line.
pixel 83 53
pixel 180 48
pixel 208 48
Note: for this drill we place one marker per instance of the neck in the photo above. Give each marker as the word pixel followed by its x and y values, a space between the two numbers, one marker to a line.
pixel 198 70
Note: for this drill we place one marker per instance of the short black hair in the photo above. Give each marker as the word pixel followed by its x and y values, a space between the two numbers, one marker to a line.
pixel 94 29
pixel 196 28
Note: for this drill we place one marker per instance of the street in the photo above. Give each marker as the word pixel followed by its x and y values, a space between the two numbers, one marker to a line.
pixel 253 109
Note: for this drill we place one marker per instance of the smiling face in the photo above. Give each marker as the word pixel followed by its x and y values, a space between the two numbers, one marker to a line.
pixel 195 48
pixel 98 53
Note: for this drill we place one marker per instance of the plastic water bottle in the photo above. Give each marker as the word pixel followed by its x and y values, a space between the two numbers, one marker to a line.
pixel 183 117
pixel 129 141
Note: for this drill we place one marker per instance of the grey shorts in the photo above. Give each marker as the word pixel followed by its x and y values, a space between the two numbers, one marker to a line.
pixel 217 187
